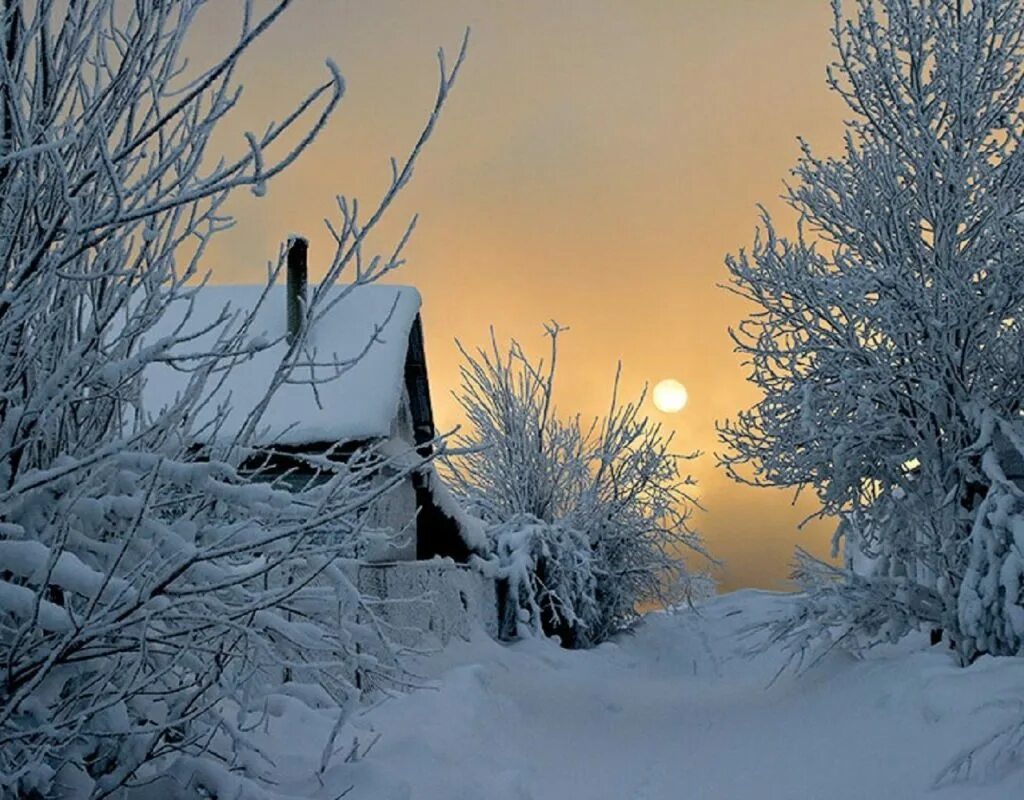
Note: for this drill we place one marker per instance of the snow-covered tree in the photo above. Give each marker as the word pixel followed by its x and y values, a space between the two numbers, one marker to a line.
pixel 587 520
pixel 887 329
pixel 155 595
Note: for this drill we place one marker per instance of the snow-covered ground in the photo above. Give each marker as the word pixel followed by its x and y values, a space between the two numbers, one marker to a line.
pixel 674 710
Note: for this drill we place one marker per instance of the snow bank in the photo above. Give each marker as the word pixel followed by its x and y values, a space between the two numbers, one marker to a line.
pixel 673 710
pixel 360 403
pixel 677 710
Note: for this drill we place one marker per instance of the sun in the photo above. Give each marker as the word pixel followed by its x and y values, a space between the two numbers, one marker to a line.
pixel 670 396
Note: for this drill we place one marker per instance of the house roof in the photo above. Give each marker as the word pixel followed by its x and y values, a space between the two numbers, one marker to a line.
pixel 360 403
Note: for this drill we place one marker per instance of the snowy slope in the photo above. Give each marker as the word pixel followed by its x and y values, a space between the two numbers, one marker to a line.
pixel 672 711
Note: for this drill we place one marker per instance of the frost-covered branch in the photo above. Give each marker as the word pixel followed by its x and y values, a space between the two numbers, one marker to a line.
pixel 158 584
pixel 587 521
pixel 888 326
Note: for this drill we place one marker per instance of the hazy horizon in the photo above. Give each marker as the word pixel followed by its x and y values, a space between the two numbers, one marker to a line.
pixel 595 163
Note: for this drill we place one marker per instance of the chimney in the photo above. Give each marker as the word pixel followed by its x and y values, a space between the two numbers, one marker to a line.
pixel 296 292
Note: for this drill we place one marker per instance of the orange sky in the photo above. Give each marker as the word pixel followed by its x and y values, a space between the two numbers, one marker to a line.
pixel 595 163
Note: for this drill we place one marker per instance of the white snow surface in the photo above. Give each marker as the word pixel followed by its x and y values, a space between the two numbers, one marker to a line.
pixel 674 710
pixel 359 403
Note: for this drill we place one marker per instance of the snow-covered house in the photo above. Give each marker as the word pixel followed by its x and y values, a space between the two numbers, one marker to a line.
pixel 367 354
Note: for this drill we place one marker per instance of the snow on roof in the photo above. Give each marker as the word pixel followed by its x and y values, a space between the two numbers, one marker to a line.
pixel 361 403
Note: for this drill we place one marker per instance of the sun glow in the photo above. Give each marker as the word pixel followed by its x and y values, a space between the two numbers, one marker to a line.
pixel 670 396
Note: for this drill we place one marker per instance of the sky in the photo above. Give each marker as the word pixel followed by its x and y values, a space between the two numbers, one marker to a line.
pixel 595 163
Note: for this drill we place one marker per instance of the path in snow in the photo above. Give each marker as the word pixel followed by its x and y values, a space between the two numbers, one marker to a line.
pixel 675 711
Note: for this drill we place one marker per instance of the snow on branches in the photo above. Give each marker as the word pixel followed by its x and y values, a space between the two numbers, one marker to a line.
pixel 588 521
pixel 991 600
pixel 886 336
pixel 155 593
pixel 889 326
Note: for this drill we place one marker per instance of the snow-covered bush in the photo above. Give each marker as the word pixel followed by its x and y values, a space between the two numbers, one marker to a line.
pixel 991 598
pixel 155 594
pixel 990 603
pixel 588 521
pixel 548 581
pixel 889 326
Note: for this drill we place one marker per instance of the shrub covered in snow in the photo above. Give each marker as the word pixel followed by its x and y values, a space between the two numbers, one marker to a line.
pixel 156 595
pixel 587 520
pixel 548 580
pixel 990 603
